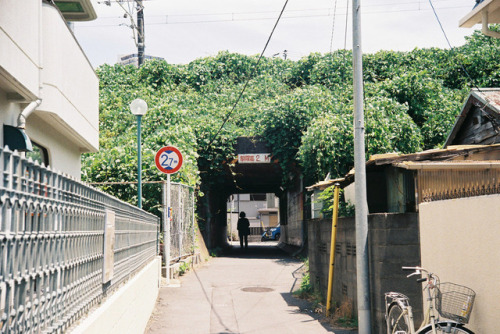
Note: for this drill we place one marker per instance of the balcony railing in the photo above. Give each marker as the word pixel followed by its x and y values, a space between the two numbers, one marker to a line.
pixel 53 263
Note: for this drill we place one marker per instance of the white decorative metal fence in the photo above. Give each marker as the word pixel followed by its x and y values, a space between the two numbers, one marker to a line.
pixel 53 262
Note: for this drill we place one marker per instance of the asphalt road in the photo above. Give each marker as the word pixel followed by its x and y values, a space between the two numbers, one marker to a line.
pixel 243 291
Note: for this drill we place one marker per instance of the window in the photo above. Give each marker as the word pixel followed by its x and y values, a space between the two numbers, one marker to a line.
pixel 257 197
pixel 39 154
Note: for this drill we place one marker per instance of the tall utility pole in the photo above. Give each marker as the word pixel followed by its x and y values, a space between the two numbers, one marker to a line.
pixel 140 33
pixel 363 283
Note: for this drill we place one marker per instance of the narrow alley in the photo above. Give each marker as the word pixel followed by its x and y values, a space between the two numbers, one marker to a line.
pixel 243 291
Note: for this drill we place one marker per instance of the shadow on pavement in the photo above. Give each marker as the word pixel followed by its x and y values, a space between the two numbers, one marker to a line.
pixel 306 307
pixel 258 250
pixel 272 250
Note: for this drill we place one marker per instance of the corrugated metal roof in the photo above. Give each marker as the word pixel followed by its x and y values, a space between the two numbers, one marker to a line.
pixel 431 165
pixel 490 97
pixel 448 153
pixel 450 156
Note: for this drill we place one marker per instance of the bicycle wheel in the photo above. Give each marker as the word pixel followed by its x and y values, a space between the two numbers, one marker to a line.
pixel 397 320
pixel 446 327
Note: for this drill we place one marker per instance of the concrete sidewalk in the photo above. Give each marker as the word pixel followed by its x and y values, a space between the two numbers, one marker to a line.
pixel 241 292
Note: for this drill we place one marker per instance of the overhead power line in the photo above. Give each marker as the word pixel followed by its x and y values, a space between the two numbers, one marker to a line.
pixel 452 49
pixel 249 77
pixel 346 22
pixel 233 17
pixel 323 9
pixel 449 44
pixel 333 24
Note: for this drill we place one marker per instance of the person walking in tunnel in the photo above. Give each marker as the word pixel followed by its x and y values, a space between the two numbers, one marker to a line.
pixel 243 229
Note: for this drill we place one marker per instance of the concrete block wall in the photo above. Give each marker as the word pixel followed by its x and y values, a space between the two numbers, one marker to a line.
pixel 293 231
pixel 393 243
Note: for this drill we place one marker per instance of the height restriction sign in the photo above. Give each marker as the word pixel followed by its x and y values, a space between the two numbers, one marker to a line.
pixel 168 159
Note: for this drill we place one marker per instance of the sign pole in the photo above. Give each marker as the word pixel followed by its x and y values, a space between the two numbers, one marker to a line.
pixel 168 160
pixel 166 236
pixel 166 233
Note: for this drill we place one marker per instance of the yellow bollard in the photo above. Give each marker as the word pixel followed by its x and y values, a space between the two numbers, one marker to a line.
pixel 332 247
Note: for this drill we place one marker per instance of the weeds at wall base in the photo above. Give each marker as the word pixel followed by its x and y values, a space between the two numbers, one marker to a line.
pixel 184 267
pixel 343 316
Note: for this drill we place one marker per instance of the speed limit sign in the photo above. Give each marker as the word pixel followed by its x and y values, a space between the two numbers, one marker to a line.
pixel 168 159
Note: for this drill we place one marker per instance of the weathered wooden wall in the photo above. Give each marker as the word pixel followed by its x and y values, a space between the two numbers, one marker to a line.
pixel 480 127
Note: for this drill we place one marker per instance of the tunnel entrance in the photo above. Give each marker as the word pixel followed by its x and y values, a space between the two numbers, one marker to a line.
pixel 253 172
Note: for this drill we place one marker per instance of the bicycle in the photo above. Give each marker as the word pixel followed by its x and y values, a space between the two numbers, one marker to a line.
pixel 452 301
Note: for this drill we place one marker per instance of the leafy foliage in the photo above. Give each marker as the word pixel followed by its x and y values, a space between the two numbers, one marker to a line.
pixel 328 144
pixel 303 109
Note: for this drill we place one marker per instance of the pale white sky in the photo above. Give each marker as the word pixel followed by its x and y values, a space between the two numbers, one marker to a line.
pixel 183 30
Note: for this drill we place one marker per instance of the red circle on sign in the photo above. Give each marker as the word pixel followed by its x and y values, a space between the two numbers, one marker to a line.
pixel 168 159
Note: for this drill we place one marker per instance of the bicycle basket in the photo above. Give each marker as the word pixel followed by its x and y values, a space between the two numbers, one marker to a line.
pixel 455 302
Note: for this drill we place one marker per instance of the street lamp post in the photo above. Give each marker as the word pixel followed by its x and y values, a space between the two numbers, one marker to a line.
pixel 139 108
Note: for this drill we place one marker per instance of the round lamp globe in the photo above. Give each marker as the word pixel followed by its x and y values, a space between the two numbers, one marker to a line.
pixel 138 107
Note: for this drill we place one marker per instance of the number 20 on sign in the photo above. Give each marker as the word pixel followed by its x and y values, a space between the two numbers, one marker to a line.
pixel 168 159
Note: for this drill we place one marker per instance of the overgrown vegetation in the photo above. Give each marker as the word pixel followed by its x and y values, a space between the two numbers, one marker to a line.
pixel 305 284
pixel 346 209
pixel 303 109
pixel 184 267
pixel 342 314
pixel 216 252
pixel 306 290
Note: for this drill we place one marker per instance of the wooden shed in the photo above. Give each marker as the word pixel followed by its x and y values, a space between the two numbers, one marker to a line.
pixel 479 121
pixel 399 183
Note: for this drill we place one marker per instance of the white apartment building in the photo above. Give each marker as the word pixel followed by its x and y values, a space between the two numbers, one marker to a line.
pixel 49 92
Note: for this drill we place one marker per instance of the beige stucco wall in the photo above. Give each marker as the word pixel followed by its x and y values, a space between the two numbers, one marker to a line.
pixel 460 241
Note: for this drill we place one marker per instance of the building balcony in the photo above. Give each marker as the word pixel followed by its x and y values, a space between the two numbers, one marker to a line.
pixel 69 85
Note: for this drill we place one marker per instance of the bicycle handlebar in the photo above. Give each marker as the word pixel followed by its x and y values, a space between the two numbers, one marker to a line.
pixel 413 268
pixel 418 271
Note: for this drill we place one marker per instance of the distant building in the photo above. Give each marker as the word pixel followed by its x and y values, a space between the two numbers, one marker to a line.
pixel 49 92
pixel 133 59
pixel 262 210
